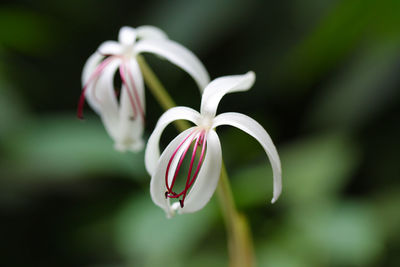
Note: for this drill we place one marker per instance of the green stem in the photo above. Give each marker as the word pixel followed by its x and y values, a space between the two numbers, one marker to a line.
pixel 159 92
pixel 238 231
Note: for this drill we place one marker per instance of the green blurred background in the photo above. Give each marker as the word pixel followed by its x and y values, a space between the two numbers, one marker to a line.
pixel 327 91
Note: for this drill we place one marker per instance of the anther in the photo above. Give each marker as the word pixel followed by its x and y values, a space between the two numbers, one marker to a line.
pixel 181 202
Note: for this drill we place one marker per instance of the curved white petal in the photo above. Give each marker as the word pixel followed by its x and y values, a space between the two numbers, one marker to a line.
pixel 130 127
pixel 219 87
pixel 110 48
pixel 157 184
pixel 102 93
pixel 150 32
pixel 152 153
pixel 207 180
pixel 90 66
pixel 135 74
pixel 131 120
pixel 178 55
pixel 127 35
pixel 254 129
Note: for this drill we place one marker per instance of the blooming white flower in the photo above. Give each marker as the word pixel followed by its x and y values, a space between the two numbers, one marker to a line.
pixel 202 178
pixel 123 113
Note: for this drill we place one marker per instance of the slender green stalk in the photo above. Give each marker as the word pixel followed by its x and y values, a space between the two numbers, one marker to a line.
pixel 239 237
pixel 159 92
pixel 240 244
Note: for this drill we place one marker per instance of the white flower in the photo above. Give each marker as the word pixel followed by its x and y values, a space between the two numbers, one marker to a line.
pixel 202 177
pixel 123 113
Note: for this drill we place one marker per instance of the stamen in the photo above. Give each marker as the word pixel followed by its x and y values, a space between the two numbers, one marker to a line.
pixel 169 188
pixel 94 77
pixel 135 92
pixel 200 141
pixel 122 69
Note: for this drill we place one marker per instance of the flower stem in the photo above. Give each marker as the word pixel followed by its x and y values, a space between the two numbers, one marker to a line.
pixel 158 91
pixel 238 231
pixel 240 244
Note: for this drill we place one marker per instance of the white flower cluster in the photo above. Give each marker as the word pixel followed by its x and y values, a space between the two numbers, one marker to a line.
pixel 123 115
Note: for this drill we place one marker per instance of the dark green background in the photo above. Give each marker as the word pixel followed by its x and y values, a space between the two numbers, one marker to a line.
pixel 327 91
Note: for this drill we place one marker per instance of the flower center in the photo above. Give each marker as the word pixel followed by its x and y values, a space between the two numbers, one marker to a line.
pixel 206 122
pixel 128 51
pixel 198 138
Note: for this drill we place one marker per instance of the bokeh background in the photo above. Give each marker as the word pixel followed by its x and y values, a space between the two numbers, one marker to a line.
pixel 327 91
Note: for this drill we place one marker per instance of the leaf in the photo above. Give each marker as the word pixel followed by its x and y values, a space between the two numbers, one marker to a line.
pixel 62 146
pixel 313 169
pixel 145 235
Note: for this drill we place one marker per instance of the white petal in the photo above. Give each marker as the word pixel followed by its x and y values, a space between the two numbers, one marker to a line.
pixel 219 87
pixel 90 66
pixel 150 32
pixel 127 35
pixel 254 129
pixel 157 184
pixel 137 77
pixel 130 127
pixel 178 55
pixel 152 153
pixel 102 95
pixel 131 124
pixel 110 48
pixel 208 177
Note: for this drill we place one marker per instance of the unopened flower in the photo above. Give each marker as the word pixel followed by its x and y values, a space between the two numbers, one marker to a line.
pixel 204 169
pixel 123 111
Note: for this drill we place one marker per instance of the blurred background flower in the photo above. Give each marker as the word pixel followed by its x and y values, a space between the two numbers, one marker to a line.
pixel 327 90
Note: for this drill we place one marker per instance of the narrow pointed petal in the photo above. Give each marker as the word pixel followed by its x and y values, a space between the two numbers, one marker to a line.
pixel 157 184
pixel 178 55
pixel 110 48
pixel 254 129
pixel 90 66
pixel 127 35
pixel 219 87
pixel 150 32
pixel 152 153
pixel 131 119
pixel 101 94
pixel 207 180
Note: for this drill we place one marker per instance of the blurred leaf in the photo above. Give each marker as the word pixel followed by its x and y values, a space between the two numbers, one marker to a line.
pixel 313 169
pixel 317 168
pixel 363 89
pixel 60 146
pixel 279 256
pixel 12 110
pixel 26 30
pixel 146 237
pixel 193 20
pixel 386 207
pixel 345 235
pixel 336 35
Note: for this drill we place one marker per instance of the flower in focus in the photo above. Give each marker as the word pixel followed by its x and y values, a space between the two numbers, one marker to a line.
pixel 123 111
pixel 205 157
